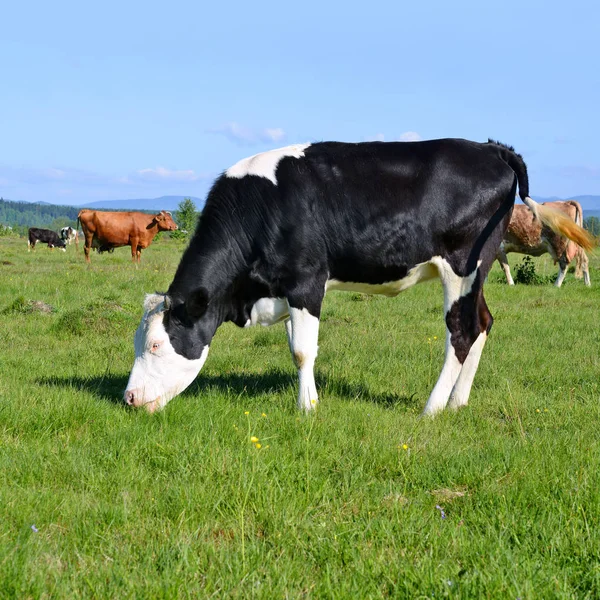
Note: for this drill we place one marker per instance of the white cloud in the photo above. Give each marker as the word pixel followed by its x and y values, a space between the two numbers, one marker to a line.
pixel 276 135
pixel 246 136
pixel 409 136
pixel 53 174
pixel 162 174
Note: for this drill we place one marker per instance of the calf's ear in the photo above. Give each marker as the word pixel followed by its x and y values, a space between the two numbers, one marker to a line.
pixel 197 303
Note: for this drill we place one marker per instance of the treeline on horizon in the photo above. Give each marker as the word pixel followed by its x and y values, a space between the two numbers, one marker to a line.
pixel 20 216
pixel 23 215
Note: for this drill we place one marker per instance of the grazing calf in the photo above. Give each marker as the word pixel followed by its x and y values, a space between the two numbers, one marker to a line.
pixel 527 235
pixel 281 228
pixel 108 230
pixel 68 234
pixel 46 236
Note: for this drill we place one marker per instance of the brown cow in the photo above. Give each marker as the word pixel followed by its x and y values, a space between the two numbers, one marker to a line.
pixel 526 235
pixel 115 229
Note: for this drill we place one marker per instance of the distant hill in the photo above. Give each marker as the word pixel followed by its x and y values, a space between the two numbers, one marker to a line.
pixel 163 203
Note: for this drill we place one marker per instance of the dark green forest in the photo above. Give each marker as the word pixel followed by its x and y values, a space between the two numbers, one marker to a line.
pixel 22 215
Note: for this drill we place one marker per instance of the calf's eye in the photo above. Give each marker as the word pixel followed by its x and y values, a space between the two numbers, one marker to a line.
pixel 155 346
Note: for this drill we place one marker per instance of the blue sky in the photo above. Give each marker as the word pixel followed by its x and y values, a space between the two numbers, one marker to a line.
pixel 111 100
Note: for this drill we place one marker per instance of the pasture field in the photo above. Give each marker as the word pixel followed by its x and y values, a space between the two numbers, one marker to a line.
pixel 364 499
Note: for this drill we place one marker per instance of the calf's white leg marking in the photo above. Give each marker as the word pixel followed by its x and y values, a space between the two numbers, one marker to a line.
pixel 450 372
pixel 462 387
pixel 304 346
pixel 455 287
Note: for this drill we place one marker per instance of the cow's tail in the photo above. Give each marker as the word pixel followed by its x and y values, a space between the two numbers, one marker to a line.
pixel 556 220
pixel 561 224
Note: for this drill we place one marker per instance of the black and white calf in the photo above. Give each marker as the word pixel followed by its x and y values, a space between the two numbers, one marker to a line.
pixel 46 236
pixel 68 235
pixel 281 228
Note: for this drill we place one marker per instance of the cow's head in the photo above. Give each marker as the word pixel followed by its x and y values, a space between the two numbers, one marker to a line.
pixel 165 221
pixel 171 345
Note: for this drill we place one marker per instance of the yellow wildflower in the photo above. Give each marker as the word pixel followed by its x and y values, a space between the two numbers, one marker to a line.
pixel 258 446
pixel 246 412
pixel 254 439
pixel 404 446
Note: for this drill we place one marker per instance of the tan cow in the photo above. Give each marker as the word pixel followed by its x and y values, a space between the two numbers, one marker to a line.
pixel 526 235
pixel 109 230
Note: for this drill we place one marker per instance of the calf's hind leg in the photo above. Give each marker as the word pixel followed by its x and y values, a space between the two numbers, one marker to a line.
pixel 461 294
pixel 462 387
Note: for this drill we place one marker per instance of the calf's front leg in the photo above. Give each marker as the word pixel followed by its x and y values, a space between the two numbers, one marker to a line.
pixel 304 329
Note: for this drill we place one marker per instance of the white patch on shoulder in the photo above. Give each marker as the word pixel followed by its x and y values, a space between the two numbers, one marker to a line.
pixel 420 272
pixel 265 163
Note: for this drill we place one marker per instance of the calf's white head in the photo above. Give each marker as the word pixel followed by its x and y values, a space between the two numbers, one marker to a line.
pixel 171 347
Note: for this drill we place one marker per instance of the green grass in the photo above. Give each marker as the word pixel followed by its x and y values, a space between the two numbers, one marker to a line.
pixel 182 504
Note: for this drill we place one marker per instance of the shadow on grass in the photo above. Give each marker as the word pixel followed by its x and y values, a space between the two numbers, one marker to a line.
pixel 110 387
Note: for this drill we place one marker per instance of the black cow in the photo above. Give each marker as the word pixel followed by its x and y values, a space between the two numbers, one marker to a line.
pixel 46 236
pixel 281 228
